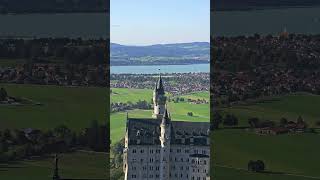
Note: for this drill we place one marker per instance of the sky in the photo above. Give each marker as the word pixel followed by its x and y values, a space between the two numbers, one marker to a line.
pixel 146 22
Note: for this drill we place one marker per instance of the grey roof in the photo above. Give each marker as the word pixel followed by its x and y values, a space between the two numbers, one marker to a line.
pixel 147 131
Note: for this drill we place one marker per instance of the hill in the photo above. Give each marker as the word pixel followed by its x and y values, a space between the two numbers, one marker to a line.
pixel 181 53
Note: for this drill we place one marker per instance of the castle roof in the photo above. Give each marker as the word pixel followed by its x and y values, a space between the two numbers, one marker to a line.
pixel 146 131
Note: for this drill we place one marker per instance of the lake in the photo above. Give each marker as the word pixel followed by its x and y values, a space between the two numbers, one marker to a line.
pixel 193 68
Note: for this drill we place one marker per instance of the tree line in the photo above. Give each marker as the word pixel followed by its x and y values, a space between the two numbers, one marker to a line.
pixel 21 144
pixel 46 50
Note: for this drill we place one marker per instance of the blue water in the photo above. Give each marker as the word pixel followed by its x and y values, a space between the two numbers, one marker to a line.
pixel 193 68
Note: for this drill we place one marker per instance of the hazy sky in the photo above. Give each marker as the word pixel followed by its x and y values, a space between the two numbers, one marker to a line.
pixel 145 22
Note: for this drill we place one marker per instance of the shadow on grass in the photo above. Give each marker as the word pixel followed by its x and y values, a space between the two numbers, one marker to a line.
pixel 237 127
pixel 272 172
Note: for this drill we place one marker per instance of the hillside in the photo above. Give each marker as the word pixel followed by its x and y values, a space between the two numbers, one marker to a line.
pixel 181 53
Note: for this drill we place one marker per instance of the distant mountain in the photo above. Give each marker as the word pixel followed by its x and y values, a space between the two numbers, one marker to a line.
pixel 220 5
pixel 180 53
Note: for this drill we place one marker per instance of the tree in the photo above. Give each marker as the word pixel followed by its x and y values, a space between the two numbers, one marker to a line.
pixel 253 122
pixel 256 166
pixel 283 122
pixel 3 94
pixel 230 120
pixel 216 120
pixel 300 120
pixel 190 114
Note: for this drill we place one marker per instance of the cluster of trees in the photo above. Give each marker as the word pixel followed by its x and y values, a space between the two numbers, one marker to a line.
pixel 21 144
pixel 226 120
pixel 283 122
pixel 3 94
pixel 256 166
pixel 141 104
pixel 190 114
pixel 117 161
pixel 52 6
pixel 43 50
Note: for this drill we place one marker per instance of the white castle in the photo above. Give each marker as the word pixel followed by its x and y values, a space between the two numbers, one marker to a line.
pixel 160 149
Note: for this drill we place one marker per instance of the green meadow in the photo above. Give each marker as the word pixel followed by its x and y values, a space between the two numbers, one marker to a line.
pixel 74 107
pixel 295 154
pixel 78 165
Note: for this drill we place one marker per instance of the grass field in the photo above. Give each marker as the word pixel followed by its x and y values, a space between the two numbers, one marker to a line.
pixel 72 106
pixel 290 107
pixel 293 154
pixel 79 165
pixel 11 62
pixel 223 173
pixel 124 95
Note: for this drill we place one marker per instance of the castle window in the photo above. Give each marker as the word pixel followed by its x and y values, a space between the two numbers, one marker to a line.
pixel 141 151
pixel 204 162
pixel 186 151
pixel 181 159
pixel 203 151
pixel 141 160
pixel 134 150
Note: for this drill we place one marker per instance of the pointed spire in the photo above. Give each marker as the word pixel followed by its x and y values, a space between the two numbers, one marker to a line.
pixel 159 85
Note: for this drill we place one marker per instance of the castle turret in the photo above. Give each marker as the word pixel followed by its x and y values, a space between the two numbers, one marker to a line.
pixel 165 128
pixel 159 99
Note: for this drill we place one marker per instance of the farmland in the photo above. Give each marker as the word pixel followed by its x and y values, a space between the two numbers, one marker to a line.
pixel 74 107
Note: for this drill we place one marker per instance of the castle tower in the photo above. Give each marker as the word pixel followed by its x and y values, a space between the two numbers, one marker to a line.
pixel 159 100
pixel 165 128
